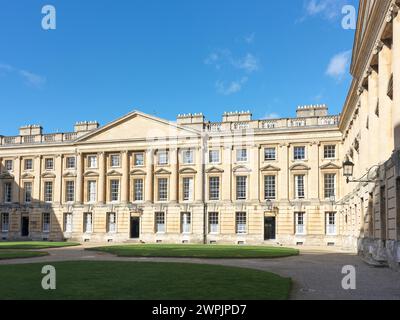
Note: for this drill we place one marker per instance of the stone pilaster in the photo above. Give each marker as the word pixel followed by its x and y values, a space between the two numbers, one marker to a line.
pixel 173 183
pixel 58 184
pixel 254 182
pixel 102 179
pixel 125 177
pixel 17 179
pixel 79 178
pixel 148 190
pixel 226 183
pixel 373 94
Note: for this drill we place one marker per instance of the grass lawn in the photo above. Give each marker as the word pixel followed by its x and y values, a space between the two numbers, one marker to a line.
pixel 142 281
pixel 34 244
pixel 198 251
pixel 14 254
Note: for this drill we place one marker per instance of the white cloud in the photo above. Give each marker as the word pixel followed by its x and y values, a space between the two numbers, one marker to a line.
pixel 32 79
pixel 326 9
pixel 219 58
pixel 249 63
pixel 231 88
pixel 272 115
pixel 338 65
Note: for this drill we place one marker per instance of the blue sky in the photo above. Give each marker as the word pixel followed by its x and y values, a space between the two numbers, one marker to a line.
pixel 166 57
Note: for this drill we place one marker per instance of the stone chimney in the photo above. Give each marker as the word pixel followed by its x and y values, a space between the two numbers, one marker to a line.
pixel 85 126
pixel 184 119
pixel 237 116
pixel 320 110
pixel 30 130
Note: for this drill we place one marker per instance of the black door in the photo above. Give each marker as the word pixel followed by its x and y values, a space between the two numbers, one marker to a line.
pixel 135 225
pixel 25 227
pixel 269 228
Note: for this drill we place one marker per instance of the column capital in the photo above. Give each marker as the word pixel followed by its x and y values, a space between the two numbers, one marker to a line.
pixel 392 12
pixel 378 47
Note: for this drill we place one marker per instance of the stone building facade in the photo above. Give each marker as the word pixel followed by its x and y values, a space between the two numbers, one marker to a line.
pixel 189 181
pixel 240 180
pixel 370 124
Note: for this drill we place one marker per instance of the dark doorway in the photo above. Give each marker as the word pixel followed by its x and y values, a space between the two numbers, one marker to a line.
pixel 269 228
pixel 25 226
pixel 135 228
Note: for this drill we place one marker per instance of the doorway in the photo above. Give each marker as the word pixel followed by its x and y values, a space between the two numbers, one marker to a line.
pixel 269 228
pixel 25 226
pixel 135 228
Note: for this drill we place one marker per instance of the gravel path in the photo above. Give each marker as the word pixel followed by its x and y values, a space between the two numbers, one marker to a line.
pixel 316 274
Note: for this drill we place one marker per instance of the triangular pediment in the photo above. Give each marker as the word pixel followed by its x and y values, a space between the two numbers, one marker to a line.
pixel 330 166
pixel 187 171
pixel 138 172
pixel 299 167
pixel 270 168
pixel 162 171
pixel 241 169
pixel 214 170
pixel 137 126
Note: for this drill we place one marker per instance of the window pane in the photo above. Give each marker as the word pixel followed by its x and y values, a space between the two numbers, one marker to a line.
pixel 139 159
pixel 269 187
pixel 114 188
pixel 187 189
pixel 329 185
pixel 299 187
pixel 213 222
pixel 28 192
pixel 214 156
pixel 162 189
pixel 241 188
pixel 138 190
pixel 160 222
pixel 48 191
pixel 92 191
pixel 241 155
pixel 214 188
pixel 269 154
pixel 186 222
pixel 241 222
pixel 46 222
pixel 330 152
pixel 299 153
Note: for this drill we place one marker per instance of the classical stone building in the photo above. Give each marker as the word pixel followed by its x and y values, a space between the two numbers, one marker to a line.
pixel 241 180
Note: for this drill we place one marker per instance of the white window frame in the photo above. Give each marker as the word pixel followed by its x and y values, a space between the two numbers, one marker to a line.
pixel 138 186
pixel 69 192
pixel 300 223
pixel 269 187
pixel 70 162
pixel 88 222
pixel 92 162
pixel 111 222
pixel 7 165
pixel 115 193
pixel 331 229
pixel 163 158
pixel 241 188
pixel 92 191
pixel 242 155
pixel 159 222
pixel 115 161
pixel 214 157
pixel 162 189
pixel 297 153
pixel 330 151
pixel 5 222
pixel 214 184
pixel 187 188
pixel 135 159
pixel 241 222
pixel 8 192
pixel 186 222
pixel 46 222
pixel 28 164
pixel 187 156
pixel 329 185
pixel 68 222
pixel 266 158
pixel 28 192
pixel 300 190
pixel 213 222
pixel 48 192
pixel 49 164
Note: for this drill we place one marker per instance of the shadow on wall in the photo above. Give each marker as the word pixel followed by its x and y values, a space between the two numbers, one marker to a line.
pixel 23 217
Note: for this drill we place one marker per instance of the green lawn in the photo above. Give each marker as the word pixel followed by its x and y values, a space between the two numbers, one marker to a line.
pixel 16 254
pixel 34 244
pixel 142 281
pixel 198 251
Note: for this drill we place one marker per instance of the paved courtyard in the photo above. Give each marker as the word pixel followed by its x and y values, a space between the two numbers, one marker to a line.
pixel 316 273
